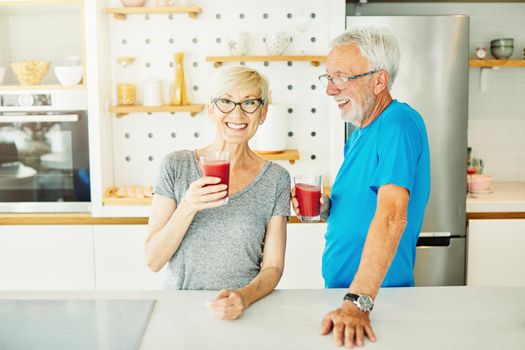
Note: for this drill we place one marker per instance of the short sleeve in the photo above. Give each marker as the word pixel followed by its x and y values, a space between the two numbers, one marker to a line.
pixel 282 200
pixel 165 184
pixel 398 151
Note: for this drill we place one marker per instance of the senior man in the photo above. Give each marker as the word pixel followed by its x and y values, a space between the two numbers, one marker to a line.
pixel 380 193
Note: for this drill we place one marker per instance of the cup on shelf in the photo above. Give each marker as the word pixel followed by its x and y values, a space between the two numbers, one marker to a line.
pixel 152 93
pixel 308 194
pixel 239 43
pixel 276 42
pixel 126 94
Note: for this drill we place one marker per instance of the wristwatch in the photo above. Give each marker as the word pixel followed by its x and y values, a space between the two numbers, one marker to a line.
pixel 363 302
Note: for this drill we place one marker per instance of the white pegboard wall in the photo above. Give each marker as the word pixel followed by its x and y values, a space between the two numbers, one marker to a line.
pixel 141 140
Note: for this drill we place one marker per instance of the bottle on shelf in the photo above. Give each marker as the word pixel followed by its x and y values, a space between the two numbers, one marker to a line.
pixel 179 93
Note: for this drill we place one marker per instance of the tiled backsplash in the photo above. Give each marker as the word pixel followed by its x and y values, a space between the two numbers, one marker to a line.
pixel 497 115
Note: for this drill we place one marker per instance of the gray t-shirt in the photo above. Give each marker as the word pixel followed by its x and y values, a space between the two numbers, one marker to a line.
pixel 223 246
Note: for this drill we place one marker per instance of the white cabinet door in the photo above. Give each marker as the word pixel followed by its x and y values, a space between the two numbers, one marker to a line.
pixel 46 257
pixel 120 263
pixel 304 249
pixel 495 253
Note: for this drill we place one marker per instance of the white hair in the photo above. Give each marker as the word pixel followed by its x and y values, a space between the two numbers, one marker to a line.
pixel 377 44
pixel 239 78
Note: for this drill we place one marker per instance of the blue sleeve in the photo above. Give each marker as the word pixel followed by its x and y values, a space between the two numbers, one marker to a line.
pixel 398 151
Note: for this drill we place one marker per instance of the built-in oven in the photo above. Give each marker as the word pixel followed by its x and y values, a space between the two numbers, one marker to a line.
pixel 44 151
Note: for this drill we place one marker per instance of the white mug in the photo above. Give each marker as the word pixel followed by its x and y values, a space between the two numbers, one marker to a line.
pixel 239 43
pixel 152 93
pixel 277 42
pixel 2 74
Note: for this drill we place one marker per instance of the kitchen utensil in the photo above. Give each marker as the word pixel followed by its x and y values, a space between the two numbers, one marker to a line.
pixel 133 3
pixel 179 94
pixel 276 42
pixel 271 135
pixel 2 74
pixel 30 72
pixel 501 52
pixel 68 75
pixel 239 43
pixel 152 93
pixel 502 42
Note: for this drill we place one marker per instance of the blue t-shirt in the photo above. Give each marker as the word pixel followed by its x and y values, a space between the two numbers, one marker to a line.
pixel 393 149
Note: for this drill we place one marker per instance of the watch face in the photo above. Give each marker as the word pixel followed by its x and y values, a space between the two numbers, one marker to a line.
pixel 365 303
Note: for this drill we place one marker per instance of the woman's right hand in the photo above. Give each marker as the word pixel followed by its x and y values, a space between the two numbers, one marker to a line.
pixel 204 194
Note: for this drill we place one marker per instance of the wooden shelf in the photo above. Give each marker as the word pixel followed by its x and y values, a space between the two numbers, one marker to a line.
pixel 121 111
pixel 290 155
pixel 128 195
pixel 123 12
pixel 496 63
pixel 43 87
pixel 219 60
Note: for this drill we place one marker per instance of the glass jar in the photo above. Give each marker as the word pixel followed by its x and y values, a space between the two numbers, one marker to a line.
pixel 126 94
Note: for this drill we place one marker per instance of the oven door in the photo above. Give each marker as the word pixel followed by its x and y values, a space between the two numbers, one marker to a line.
pixel 45 163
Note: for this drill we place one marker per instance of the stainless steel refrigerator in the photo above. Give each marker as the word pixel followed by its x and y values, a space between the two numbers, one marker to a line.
pixel 433 78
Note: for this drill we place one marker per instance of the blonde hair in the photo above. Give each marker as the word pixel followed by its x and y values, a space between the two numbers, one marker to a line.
pixel 239 78
pixel 377 44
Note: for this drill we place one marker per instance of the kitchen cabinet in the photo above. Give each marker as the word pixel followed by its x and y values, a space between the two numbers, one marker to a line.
pixel 119 259
pixel 304 249
pixel 495 253
pixel 46 257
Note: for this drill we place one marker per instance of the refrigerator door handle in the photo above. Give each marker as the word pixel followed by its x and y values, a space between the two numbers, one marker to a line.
pixel 434 239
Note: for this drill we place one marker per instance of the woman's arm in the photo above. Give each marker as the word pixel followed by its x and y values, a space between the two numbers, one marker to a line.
pixel 229 304
pixel 168 223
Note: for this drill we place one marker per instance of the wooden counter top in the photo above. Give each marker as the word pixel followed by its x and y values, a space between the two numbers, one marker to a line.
pixel 76 219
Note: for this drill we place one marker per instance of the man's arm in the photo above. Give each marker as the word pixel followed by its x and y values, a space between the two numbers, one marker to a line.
pixel 383 237
pixel 349 324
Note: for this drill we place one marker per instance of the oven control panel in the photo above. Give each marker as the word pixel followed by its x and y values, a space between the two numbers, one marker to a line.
pixel 25 100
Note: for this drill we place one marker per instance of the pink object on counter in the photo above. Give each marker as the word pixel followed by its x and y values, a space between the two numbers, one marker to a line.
pixel 480 183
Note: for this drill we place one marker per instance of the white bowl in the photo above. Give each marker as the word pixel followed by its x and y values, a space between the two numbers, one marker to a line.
pixel 68 75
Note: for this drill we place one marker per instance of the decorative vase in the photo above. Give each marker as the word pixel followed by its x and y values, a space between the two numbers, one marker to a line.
pixel 179 93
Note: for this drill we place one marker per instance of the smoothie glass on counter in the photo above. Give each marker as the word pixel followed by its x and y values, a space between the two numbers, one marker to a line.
pixel 217 164
pixel 308 194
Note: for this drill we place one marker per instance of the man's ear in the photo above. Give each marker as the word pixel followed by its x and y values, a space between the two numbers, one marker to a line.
pixel 381 82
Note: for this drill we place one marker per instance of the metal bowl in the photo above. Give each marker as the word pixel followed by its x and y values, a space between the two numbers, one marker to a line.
pixel 502 52
pixel 502 42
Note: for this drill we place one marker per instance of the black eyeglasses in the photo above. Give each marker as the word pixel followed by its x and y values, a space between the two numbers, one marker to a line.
pixel 249 106
pixel 340 81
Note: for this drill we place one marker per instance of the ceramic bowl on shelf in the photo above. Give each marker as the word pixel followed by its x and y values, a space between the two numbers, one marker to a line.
pixel 68 75
pixel 502 42
pixel 501 52
pixel 30 72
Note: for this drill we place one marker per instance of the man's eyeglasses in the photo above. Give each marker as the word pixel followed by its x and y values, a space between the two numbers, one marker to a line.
pixel 226 106
pixel 340 81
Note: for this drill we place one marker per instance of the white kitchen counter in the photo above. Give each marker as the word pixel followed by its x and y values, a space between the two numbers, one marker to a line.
pixel 506 197
pixel 403 318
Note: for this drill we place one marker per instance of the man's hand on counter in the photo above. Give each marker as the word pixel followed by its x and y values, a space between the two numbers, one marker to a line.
pixel 349 324
pixel 227 305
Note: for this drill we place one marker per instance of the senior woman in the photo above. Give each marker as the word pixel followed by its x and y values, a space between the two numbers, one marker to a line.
pixel 235 246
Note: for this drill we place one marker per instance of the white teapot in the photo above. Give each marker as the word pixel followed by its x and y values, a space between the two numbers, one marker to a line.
pixel 276 42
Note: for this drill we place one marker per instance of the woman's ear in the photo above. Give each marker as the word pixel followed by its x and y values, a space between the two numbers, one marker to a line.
pixel 210 111
pixel 264 112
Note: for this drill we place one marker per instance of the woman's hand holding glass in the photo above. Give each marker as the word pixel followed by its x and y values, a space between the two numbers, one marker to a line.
pixel 205 194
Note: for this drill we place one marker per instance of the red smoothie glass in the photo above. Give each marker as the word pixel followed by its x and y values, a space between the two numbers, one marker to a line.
pixel 217 164
pixel 308 194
